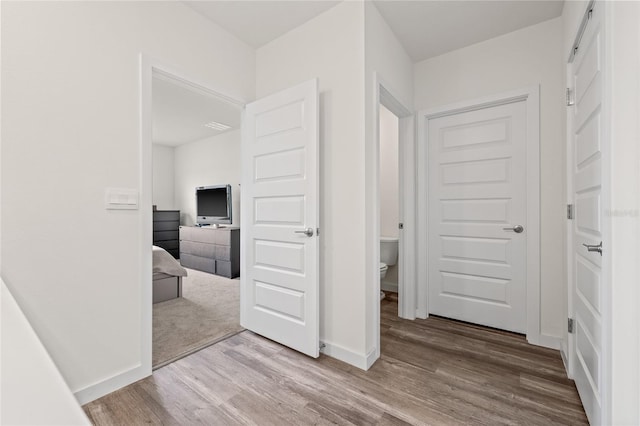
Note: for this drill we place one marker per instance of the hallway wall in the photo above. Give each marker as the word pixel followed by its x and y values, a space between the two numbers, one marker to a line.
pixel 527 57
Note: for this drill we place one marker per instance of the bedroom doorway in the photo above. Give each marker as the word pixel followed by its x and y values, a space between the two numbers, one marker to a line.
pixel 195 142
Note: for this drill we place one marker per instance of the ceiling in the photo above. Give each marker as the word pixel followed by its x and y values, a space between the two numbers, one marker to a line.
pixel 426 28
pixel 431 28
pixel 180 112
pixel 258 22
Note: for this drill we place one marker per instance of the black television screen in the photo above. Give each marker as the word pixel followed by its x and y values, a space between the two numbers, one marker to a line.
pixel 213 204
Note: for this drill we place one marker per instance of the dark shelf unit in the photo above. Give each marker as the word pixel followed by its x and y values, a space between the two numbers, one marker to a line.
pixel 166 225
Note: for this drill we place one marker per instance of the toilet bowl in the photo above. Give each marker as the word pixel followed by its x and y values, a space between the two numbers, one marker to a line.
pixel 388 257
pixel 383 270
pixel 388 254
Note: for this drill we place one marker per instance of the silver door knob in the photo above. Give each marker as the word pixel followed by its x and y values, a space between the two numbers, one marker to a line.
pixel 594 248
pixel 308 232
pixel 517 229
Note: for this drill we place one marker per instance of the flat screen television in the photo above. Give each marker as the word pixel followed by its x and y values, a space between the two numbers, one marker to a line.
pixel 213 204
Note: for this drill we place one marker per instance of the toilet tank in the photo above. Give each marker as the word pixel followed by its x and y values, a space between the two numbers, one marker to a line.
pixel 389 250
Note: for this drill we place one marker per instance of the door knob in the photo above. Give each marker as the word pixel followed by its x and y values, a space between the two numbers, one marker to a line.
pixel 594 248
pixel 308 232
pixel 517 229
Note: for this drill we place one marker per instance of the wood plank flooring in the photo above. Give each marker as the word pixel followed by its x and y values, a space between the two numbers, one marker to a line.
pixel 434 371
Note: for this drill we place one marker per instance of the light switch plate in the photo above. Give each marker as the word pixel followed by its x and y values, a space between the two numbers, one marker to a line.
pixel 121 199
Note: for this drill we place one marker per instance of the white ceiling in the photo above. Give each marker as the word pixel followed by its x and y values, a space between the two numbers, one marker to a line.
pixel 431 28
pixel 426 28
pixel 258 22
pixel 180 112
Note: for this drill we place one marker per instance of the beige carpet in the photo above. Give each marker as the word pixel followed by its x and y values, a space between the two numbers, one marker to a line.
pixel 207 312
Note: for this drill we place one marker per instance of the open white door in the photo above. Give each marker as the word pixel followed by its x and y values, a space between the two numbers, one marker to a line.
pixel 279 262
pixel 587 147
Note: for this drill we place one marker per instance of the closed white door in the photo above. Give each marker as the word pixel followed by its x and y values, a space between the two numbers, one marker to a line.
pixel 587 151
pixel 477 226
pixel 279 262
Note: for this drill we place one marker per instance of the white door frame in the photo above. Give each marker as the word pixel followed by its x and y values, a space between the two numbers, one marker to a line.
pixel 531 96
pixel 566 350
pixel 384 94
pixel 148 68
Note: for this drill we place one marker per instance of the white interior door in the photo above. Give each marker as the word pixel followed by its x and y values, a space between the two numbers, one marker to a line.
pixel 279 262
pixel 588 286
pixel 477 226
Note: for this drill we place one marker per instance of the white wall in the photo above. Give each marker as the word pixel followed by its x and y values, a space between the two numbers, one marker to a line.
pixel 71 128
pixel 387 63
pixel 163 177
pixel 331 47
pixel 33 391
pixel 389 182
pixel 359 40
pixel 523 58
pixel 622 74
pixel 209 161
pixel 385 56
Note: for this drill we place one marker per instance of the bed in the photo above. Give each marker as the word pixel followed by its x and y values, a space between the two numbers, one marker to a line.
pixel 167 276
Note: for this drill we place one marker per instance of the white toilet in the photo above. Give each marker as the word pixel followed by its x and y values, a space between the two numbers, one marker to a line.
pixel 388 254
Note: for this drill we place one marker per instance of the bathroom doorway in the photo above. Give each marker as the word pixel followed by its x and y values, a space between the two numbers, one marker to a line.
pixel 404 303
pixel 395 225
pixel 389 200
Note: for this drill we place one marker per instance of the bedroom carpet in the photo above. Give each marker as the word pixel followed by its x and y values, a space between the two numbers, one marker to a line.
pixel 209 311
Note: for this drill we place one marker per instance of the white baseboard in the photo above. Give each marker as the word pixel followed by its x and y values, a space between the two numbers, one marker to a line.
pixel 338 352
pixel 372 357
pixel 543 340
pixel 111 384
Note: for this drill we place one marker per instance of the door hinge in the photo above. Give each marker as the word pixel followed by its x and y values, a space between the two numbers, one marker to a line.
pixel 570 325
pixel 569 211
pixel 570 100
pixel 401 226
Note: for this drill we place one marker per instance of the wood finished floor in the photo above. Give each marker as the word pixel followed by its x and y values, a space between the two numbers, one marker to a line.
pixel 434 371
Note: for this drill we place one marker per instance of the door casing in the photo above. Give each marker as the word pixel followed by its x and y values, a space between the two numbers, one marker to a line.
pixel 150 66
pixel 531 97
pixel 384 94
pixel 477 267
